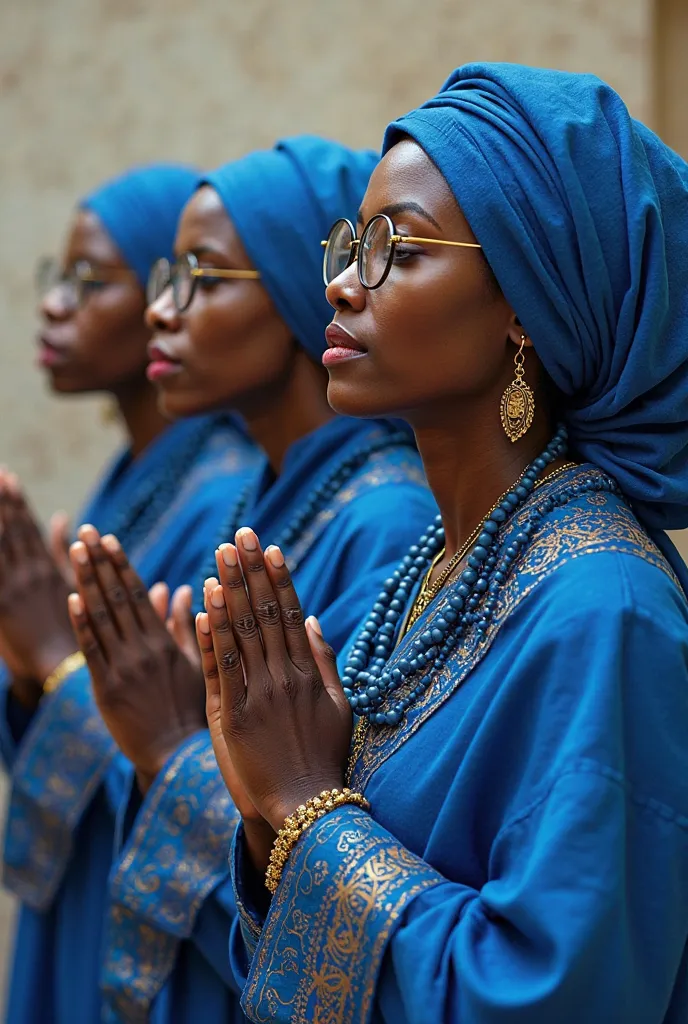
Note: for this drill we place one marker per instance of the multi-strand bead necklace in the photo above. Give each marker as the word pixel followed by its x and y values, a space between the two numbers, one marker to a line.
pixel 371 687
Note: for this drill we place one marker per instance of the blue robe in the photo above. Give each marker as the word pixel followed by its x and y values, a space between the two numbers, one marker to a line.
pixel 60 826
pixel 526 855
pixel 164 860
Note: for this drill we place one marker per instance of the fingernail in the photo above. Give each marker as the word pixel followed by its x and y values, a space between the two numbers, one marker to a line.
pixel 111 543
pixel 275 555
pixel 249 541
pixel 217 598
pixel 315 625
pixel 88 534
pixel 79 552
pixel 202 622
pixel 74 604
pixel 210 583
pixel 229 555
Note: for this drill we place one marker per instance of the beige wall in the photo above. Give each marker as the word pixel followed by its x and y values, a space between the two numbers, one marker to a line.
pixel 90 86
pixel 671 85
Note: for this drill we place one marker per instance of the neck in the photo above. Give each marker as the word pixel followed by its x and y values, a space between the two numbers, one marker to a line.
pixel 137 403
pixel 469 463
pixel 295 405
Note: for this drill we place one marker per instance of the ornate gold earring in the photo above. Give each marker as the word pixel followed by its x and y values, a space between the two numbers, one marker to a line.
pixel 517 407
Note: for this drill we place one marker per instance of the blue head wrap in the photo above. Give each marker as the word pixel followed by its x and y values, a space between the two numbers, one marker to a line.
pixel 140 210
pixel 583 216
pixel 283 202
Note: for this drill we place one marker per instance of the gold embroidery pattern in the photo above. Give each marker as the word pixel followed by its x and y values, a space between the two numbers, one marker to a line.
pixel 390 465
pixel 579 529
pixel 193 809
pixel 177 855
pixel 61 763
pixel 322 965
pixel 131 997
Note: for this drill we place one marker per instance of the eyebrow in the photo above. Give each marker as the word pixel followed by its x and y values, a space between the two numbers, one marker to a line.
pixel 407 207
pixel 203 251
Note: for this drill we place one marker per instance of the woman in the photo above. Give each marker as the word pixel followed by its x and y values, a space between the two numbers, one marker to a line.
pixel 166 495
pixel 520 850
pixel 242 326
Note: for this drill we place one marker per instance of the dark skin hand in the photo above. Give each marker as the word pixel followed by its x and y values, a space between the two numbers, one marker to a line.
pixel 35 630
pixel 272 682
pixel 149 693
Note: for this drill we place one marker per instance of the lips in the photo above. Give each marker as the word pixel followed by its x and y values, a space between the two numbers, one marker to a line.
pixel 52 352
pixel 342 346
pixel 337 337
pixel 162 363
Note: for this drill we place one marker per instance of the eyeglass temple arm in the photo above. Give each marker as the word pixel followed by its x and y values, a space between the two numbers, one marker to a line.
pixel 434 241
pixel 221 272
pixel 111 274
pixel 414 238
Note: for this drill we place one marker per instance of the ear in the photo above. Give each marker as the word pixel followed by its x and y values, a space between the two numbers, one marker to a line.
pixel 517 334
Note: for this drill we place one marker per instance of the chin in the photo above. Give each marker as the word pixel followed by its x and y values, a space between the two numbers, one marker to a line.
pixel 365 402
pixel 58 385
pixel 180 405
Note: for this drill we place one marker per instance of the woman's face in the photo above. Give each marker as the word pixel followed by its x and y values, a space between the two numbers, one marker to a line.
pixel 438 331
pixel 99 343
pixel 230 346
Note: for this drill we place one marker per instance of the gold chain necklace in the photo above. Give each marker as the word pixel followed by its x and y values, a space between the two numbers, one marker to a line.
pixel 428 593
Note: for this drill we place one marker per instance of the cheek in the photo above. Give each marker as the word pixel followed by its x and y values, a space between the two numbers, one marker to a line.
pixel 112 334
pixel 235 346
pixel 448 326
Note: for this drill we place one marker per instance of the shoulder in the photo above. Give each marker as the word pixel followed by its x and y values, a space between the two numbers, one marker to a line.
pixel 226 442
pixel 390 466
pixel 591 556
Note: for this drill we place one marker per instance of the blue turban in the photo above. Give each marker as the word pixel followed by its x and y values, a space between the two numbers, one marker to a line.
pixel 283 202
pixel 583 216
pixel 140 210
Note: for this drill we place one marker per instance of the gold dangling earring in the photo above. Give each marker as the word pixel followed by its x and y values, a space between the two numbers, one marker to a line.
pixel 517 407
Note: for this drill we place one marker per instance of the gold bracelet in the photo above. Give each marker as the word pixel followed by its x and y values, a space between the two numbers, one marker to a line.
pixel 296 824
pixel 68 665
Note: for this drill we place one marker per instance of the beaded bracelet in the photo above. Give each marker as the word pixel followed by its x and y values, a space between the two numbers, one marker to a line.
pixel 66 667
pixel 296 824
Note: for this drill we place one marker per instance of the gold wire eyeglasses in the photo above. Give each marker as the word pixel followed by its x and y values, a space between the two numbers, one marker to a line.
pixel 374 252
pixel 183 275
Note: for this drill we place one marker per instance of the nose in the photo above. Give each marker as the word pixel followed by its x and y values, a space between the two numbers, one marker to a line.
pixel 346 291
pixel 162 315
pixel 54 306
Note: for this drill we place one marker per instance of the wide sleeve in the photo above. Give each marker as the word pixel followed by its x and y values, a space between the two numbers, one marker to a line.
pixel 60 762
pixel 582 912
pixel 171 881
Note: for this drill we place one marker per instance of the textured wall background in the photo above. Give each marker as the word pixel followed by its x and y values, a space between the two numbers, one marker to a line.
pixel 88 87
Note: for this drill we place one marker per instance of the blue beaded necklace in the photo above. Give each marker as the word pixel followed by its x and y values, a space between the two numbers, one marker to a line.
pixel 319 499
pixel 134 523
pixel 368 684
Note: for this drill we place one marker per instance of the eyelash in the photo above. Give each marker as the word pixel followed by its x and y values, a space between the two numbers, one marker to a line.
pixel 403 253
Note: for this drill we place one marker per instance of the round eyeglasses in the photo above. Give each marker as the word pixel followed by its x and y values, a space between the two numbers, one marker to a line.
pixel 183 276
pixel 78 281
pixel 374 251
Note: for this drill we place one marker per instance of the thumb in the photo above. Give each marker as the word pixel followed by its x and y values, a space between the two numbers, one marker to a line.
pixel 59 539
pixel 326 660
pixel 159 597
pixel 181 624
